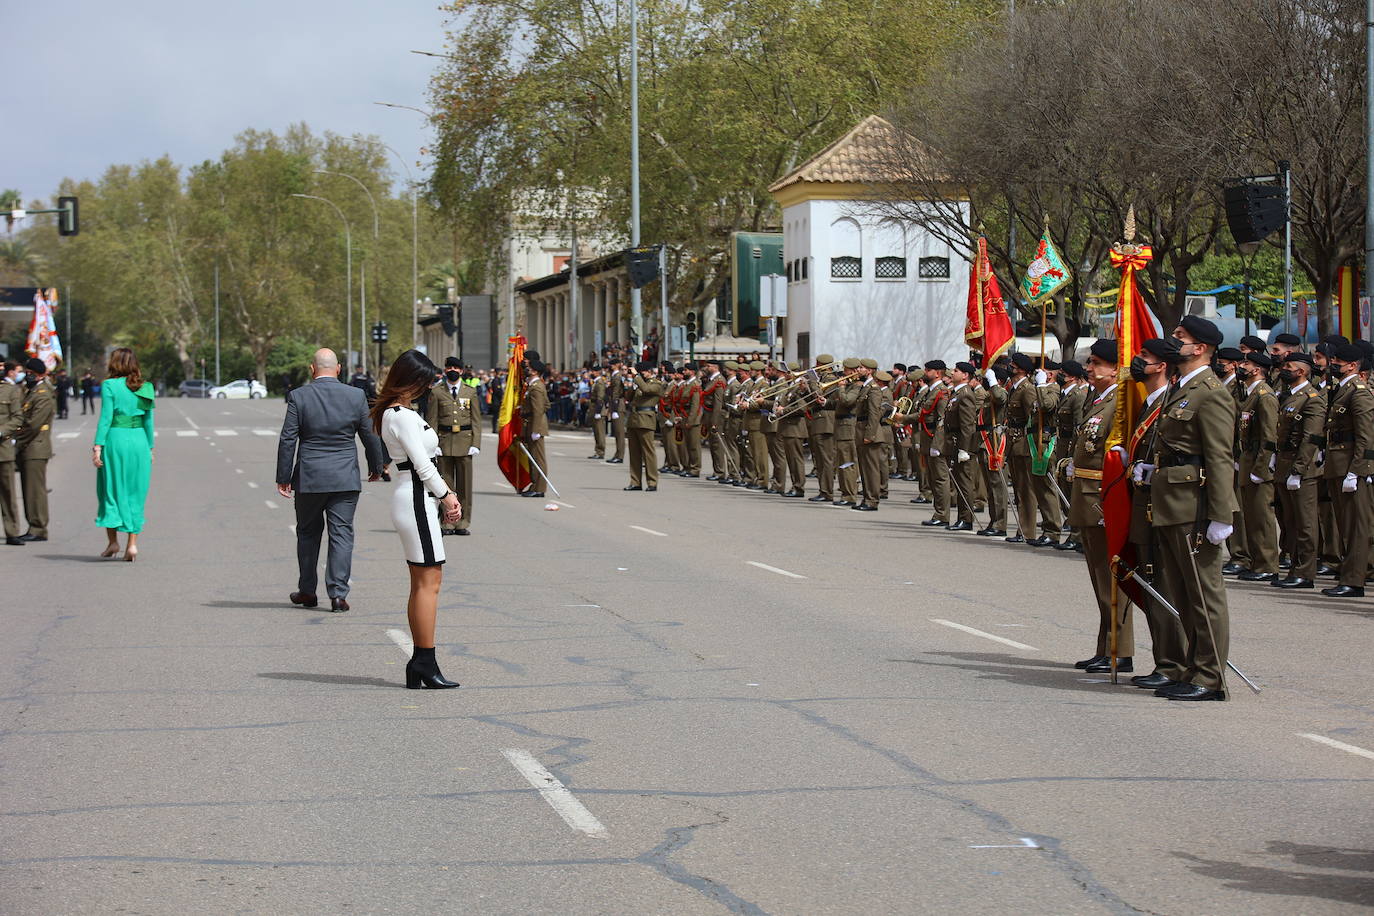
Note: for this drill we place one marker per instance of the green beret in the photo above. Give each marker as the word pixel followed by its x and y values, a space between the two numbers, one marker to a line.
pixel 824 359
pixel 882 375
pixel 756 366
pixel 793 366
pixel 869 363
pixel 852 362
pixel 731 364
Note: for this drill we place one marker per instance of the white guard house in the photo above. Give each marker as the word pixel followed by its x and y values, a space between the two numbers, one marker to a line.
pixel 859 284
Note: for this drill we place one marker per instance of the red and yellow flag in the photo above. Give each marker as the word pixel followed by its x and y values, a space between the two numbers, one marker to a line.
pixel 987 326
pixel 510 458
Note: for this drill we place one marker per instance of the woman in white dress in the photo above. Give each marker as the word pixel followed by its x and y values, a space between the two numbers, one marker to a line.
pixel 416 503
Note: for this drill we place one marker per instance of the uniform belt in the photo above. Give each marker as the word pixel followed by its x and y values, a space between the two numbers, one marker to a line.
pixel 407 466
pixel 459 429
pixel 862 418
pixel 123 421
pixel 828 408
pixel 1339 437
pixel 1175 461
pixel 1087 473
pixel 647 409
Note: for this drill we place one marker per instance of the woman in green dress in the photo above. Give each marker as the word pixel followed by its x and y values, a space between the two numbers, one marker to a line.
pixel 123 452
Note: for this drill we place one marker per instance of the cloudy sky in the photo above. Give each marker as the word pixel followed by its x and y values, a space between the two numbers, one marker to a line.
pixel 89 84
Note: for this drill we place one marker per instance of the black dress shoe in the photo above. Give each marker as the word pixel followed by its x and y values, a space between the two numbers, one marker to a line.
pixel 338 605
pixel 1250 575
pixel 1152 681
pixel 1089 662
pixel 633 487
pixel 753 486
pixel 33 537
pixel 1325 570
pixel 921 501
pixel 713 477
pixel 537 494
pixel 795 494
pixel 461 532
pixel 1043 541
pixel 819 499
pixel 1286 563
pixel 1344 591
pixel 863 508
pixel 651 489
pixel 14 542
pixel 1123 666
pixel 1295 582
pixel 595 457
pixel 1183 691
pixel 961 526
pixel 1066 545
pixel 615 460
pixel 935 523
pixel 842 502
pixel 1015 539
pixel 1231 568
pixel 304 599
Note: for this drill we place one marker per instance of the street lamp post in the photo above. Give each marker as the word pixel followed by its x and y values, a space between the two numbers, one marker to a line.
pixel 636 316
pixel 362 282
pixel 348 260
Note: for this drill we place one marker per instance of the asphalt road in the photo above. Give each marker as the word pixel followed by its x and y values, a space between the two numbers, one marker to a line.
pixel 751 704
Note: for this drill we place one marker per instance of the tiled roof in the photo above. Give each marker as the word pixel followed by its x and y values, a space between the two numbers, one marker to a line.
pixel 865 155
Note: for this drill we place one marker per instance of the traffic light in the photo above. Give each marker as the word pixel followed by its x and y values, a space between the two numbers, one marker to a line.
pixel 67 223
pixel 643 265
pixel 691 327
pixel 380 332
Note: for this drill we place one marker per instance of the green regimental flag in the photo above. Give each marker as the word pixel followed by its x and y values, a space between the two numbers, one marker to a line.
pixel 1047 273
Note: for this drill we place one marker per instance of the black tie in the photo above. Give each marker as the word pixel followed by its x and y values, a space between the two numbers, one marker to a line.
pixel 455 391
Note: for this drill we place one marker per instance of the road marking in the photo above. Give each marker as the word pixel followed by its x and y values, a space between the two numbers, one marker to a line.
pixel 189 422
pixel 657 534
pixel 582 605
pixel 573 812
pixel 1026 843
pixel 271 505
pixel 226 432
pixel 187 434
pixel 553 453
pixel 293 528
pixel 263 432
pixel 402 642
pixel 1006 642
pixel 774 569
pixel 253 484
pixel 67 435
pixel 563 504
pixel 238 470
pixel 1338 745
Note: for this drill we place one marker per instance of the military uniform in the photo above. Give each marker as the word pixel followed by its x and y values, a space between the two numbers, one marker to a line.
pixel 667 425
pixel 961 441
pixel 821 434
pixel 930 420
pixel 1068 417
pixel 992 455
pixel 1349 461
pixel 870 442
pixel 643 393
pixel 11 419
pixel 616 407
pixel 902 388
pixel 34 449
pixel 847 398
pixel 534 411
pixel 600 414
pixel 732 439
pixel 1257 433
pixel 713 419
pixel 792 432
pixel 777 460
pixel 753 428
pixel 454 415
pixel 1029 407
pixel 690 414
pixel 1299 434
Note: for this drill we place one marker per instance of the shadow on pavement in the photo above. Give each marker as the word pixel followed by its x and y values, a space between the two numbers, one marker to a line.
pixel 250 605
pixel 75 557
pixel 1028 672
pixel 1258 879
pixel 336 679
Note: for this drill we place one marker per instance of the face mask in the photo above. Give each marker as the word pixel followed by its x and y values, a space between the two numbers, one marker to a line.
pixel 1288 376
pixel 19 377
pixel 1138 367
pixel 452 375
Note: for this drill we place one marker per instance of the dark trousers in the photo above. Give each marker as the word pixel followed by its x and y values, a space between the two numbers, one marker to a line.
pixel 457 473
pixel 315 512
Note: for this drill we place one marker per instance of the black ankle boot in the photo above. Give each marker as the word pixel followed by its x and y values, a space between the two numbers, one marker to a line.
pixel 422 669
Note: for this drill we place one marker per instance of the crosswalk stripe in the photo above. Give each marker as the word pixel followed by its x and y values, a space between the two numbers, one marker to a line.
pixel 226 432
pixel 187 433
pixel 264 432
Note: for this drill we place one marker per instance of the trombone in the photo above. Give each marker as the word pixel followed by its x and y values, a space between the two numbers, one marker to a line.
pixel 811 377
pixel 792 378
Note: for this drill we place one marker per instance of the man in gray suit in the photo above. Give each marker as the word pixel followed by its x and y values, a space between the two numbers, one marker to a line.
pixel 317 463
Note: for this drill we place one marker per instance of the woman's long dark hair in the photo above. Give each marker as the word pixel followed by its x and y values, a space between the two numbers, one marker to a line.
pixel 123 364
pixel 411 375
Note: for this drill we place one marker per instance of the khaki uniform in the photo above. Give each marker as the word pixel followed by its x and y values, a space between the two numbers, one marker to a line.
pixel 667 426
pixel 847 398
pixel 1350 451
pixel 1167 640
pixel 534 410
pixel 1257 434
pixel 713 421
pixel 458 421
pixel 776 459
pixel 733 438
pixel 600 414
pixel 753 427
pixel 961 435
pixel 1330 547
pixel 1068 417
pixel 1299 429
pixel 643 393
pixel 616 407
pixel 901 388
pixel 11 419
pixel 792 432
pixel 820 432
pixel 689 423
pixel 1029 409
pixel 1191 486
pixel 992 428
pixel 930 421
pixel 869 432
pixel 34 449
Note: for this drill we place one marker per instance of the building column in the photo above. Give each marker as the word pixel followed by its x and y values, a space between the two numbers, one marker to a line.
pixel 599 313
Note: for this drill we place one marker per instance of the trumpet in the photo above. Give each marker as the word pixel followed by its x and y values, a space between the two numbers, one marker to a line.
pixel 818 387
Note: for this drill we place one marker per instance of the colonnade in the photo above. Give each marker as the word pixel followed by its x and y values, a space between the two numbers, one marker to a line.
pixel 549 320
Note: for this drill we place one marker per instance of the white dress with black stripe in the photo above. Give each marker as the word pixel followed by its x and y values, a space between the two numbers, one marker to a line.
pixel 419 486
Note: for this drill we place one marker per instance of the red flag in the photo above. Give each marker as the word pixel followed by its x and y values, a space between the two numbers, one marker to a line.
pixel 988 327
pixel 510 458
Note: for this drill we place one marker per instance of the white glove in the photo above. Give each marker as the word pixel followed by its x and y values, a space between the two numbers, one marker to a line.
pixel 1217 532
pixel 1321 456
pixel 1120 450
pixel 1142 473
pixel 1350 483
pixel 1294 482
pixel 1235 465
pixel 614 415
pixel 934 453
pixel 667 422
pixel 473 450
pixel 991 377
pixel 535 437
pixel 1040 377
pixel 962 456
pixel 597 417
pixel 1254 479
pixel 1272 460
pixel 1068 470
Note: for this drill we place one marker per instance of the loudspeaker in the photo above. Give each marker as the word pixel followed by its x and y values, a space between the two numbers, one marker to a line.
pixel 1253 211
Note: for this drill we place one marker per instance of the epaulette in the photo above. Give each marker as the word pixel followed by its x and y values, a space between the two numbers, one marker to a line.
pixel 1361 385
pixel 1312 392
pixel 1212 382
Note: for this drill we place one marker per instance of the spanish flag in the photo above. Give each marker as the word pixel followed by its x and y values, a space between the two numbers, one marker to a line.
pixel 509 457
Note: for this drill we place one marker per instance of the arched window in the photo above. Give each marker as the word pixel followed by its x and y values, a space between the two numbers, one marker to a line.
pixel 846 246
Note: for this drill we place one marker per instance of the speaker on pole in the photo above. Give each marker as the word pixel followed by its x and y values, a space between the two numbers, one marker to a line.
pixel 1253 211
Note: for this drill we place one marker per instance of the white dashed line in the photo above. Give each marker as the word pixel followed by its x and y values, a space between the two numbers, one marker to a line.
pixel 657 534
pixel 263 432
pixel 253 484
pixel 1338 745
pixel 238 470
pixel 402 642
pixel 1003 640
pixel 226 432
pixel 1026 843
pixel 563 504
pixel 187 434
pixel 189 422
pixel 271 505
pixel 292 528
pixel 774 569
pixel 67 435
pixel 573 812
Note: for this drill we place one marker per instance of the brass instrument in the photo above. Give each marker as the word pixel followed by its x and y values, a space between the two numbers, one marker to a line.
pixel 813 379
pixel 793 378
pixel 902 406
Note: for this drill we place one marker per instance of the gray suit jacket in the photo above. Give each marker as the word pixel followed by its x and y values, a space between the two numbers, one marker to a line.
pixel 316 452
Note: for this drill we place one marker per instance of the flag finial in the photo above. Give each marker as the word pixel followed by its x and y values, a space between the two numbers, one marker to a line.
pixel 1128 232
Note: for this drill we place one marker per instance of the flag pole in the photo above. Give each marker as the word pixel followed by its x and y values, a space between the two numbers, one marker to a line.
pixel 1040 416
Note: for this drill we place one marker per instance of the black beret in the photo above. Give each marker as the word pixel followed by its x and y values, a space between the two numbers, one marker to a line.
pixel 937 364
pixel 1166 348
pixel 1298 356
pixel 1202 330
pixel 1253 342
pixel 536 365
pixel 1288 340
pixel 689 366
pixel 645 366
pixel 1230 353
pixel 1105 349
pixel 1051 364
pixel 532 355
pixel 966 367
pixel 1348 353
pixel 453 362
pixel 1023 362
pixel 901 366
pixel 35 365
pixel 1325 349
pixel 1335 339
pixel 1366 346
pixel 999 371
pixel 1259 358
pixel 1073 368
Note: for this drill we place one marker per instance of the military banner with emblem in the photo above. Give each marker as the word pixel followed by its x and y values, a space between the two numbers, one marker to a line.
pixel 987 327
pixel 514 462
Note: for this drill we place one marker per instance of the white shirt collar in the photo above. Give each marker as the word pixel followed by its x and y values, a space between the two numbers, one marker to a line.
pixel 1189 377
pixel 961 385
pixel 1017 384
pixel 1250 388
pixel 1350 377
pixel 1106 393
pixel 1298 387
pixel 1155 395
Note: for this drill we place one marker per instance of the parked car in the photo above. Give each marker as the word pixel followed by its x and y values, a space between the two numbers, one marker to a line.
pixel 239 388
pixel 196 388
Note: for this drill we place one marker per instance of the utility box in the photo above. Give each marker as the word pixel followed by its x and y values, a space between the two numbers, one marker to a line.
pixel 753 255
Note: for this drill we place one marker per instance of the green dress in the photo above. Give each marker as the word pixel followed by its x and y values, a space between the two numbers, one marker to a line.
pixel 125 435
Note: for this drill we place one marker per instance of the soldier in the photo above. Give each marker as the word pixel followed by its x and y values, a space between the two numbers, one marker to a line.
pixel 667 419
pixel 868 435
pixel 1068 417
pixel 821 429
pixel 961 439
pixel 1349 462
pixel 643 391
pixel 615 392
pixel 1227 361
pixel 930 427
pixel 734 423
pixel 901 388
pixel 792 432
pixel 534 409
pixel 712 431
pixel 885 429
pixel 1257 458
pixel 34 448
pixel 992 447
pixel 453 413
pixel 1299 432
pixel 910 440
pixel 11 419
pixel 847 397
pixel 600 412
pixel 690 413
pixel 1030 404
pixel 1283 345
pixel 1192 503
pixel 1085 506
pixel 753 427
pixel 776 458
